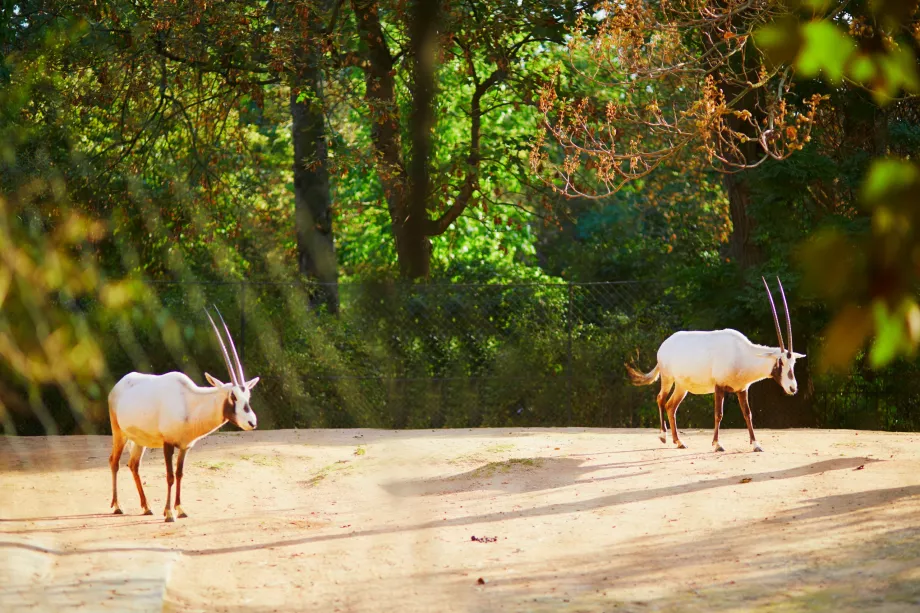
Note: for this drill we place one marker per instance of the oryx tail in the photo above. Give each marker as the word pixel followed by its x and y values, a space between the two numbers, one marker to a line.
pixel 640 378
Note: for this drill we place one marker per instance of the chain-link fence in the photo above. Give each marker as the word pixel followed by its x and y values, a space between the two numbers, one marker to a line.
pixel 433 355
pixel 398 355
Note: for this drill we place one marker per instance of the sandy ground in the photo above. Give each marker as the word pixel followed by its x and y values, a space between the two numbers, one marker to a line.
pixel 366 520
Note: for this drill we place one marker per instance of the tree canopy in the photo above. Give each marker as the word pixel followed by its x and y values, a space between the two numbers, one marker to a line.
pixel 321 143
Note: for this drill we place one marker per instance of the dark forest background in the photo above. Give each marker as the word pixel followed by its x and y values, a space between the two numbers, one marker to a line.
pixel 457 213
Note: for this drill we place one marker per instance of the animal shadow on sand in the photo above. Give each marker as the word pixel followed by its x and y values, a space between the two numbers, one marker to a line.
pixel 523 475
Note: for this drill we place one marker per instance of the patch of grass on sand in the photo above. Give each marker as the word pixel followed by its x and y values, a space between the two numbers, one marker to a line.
pixel 502 467
pixel 482 455
pixel 214 465
pixel 360 450
pixel 848 444
pixel 262 460
pixel 337 467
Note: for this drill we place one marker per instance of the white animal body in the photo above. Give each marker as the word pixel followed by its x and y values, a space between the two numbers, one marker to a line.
pixel 171 412
pixel 718 362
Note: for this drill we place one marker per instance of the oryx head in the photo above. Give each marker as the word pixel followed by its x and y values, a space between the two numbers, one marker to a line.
pixel 236 408
pixel 784 367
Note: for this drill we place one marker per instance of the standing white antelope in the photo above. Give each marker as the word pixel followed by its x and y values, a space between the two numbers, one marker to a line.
pixel 171 412
pixel 719 362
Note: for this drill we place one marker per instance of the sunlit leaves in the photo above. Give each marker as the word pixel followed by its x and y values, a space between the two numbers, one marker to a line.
pixel 845 337
pixel 897 331
pixel 826 49
pixel 780 40
pixel 120 294
pixel 891 180
pixel 651 80
pixel 893 13
pixel 822 48
pixel 873 277
pixel 833 261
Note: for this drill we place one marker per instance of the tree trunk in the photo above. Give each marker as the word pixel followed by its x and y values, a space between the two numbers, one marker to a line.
pixel 312 198
pixel 733 80
pixel 413 251
pixel 408 194
pixel 415 256
pixel 741 247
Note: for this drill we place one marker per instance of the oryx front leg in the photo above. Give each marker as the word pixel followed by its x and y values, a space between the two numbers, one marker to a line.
pixel 134 463
pixel 676 398
pixel 180 462
pixel 748 418
pixel 170 479
pixel 720 401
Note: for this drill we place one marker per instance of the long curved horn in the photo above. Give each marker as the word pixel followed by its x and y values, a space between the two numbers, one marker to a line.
pixel 779 334
pixel 223 348
pixel 233 347
pixel 788 319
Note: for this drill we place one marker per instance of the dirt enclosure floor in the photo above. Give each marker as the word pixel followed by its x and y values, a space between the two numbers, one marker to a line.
pixel 367 520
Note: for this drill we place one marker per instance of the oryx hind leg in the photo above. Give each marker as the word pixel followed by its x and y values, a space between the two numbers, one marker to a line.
pixel 666 385
pixel 673 403
pixel 118 446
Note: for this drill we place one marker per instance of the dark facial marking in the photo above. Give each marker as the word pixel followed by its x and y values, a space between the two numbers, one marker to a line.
pixel 777 373
pixel 246 409
pixel 229 408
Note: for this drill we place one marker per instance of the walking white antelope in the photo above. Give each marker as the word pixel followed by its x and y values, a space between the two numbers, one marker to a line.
pixel 171 412
pixel 719 362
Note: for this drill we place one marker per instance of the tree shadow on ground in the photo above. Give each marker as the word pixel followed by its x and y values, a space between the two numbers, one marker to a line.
pixel 814 573
pixel 588 504
pixel 516 475
pixel 879 573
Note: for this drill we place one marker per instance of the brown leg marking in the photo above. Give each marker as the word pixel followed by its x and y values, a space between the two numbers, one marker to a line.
pixel 662 401
pixel 720 401
pixel 134 463
pixel 118 445
pixel 673 403
pixel 170 479
pixel 748 417
pixel 180 461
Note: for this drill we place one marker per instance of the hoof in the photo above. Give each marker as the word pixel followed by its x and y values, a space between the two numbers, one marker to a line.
pixel 170 518
pixel 717 447
pixel 681 445
pixel 663 440
pixel 118 511
pixel 147 512
pixel 183 515
pixel 757 447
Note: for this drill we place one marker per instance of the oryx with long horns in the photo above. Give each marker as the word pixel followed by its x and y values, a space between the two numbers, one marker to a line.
pixel 172 412
pixel 719 362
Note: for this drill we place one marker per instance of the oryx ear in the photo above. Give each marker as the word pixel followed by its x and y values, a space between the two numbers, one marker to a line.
pixel 770 354
pixel 798 356
pixel 252 383
pixel 213 380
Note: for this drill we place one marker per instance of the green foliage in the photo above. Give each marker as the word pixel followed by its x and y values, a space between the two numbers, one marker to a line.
pixel 126 160
pixel 825 48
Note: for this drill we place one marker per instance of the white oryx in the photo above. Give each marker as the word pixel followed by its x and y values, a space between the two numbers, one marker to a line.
pixel 718 362
pixel 171 412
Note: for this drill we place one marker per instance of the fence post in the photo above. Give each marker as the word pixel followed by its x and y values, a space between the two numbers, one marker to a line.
pixel 569 366
pixel 242 321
